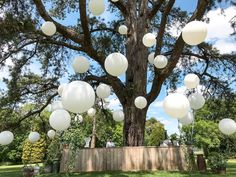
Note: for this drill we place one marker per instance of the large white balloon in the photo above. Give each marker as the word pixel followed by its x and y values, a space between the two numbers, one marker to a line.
pixel 116 64
pixel 78 97
pixel 140 102
pixel 227 126
pixel 96 7
pixel 33 137
pixel 61 88
pixel 151 57
pixel 191 81
pixel 91 112
pixel 6 137
pixel 51 134
pixel 176 105
pixel 60 120
pixel 49 28
pixel 194 32
pixel 80 64
pixel 123 29
pixel 56 105
pixel 103 91
pixel 149 39
pixel 114 0
pixel 160 61
pixel 188 119
pixel 118 115
pixel 196 100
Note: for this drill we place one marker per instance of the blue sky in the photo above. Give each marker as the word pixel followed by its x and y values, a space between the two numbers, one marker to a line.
pixel 220 38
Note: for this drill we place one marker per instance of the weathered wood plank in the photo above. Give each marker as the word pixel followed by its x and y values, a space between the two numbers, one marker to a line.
pixel 126 159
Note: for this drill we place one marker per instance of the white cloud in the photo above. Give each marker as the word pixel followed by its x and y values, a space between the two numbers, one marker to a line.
pixel 158 104
pixel 219 29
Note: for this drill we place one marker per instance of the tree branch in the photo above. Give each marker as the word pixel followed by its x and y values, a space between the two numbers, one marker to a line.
pixel 66 32
pixel 121 6
pixel 177 51
pixel 155 9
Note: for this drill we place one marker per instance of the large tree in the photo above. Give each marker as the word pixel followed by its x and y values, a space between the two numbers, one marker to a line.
pixel 94 37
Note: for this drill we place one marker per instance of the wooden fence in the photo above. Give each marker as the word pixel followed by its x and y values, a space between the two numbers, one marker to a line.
pixel 126 159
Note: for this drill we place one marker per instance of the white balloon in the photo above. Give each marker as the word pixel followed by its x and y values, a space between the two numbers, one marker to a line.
pixel 160 61
pixel 33 137
pixel 176 105
pixel 79 118
pixel 191 81
pixel 196 100
pixel 227 126
pixel 6 137
pixel 61 88
pixel 151 57
pixel 149 39
pixel 123 29
pixel 51 134
pixel 56 105
pixel 80 64
pixel 60 120
pixel 140 102
pixel 91 112
pixel 194 32
pixel 188 119
pixel 49 28
pixel 78 97
pixel 116 64
pixel 118 115
pixel 96 7
pixel 103 91
pixel 114 0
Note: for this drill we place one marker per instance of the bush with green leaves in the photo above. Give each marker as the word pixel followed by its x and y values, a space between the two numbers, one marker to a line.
pixel 217 161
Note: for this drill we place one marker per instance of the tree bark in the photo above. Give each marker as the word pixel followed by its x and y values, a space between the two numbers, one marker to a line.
pixel 136 76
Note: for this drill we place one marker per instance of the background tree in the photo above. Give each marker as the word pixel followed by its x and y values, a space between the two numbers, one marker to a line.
pixel 155 132
pixel 206 133
pixel 23 42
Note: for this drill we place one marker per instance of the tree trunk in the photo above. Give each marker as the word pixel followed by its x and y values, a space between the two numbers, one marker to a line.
pixel 136 76
pixel 93 140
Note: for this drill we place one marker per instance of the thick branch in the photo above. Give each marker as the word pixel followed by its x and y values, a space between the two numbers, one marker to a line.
pixel 155 9
pixel 177 51
pixel 66 32
pixel 120 5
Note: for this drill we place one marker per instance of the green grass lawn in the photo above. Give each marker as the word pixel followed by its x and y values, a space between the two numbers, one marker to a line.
pixel 15 171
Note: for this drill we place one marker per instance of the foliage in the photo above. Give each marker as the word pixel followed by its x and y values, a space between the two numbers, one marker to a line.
pixel 217 161
pixel 155 132
pixel 106 129
pixel 205 135
pixel 53 152
pixel 34 152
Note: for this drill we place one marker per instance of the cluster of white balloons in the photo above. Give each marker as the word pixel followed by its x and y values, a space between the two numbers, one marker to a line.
pixel 194 32
pixel 34 137
pixel 118 115
pixel 149 39
pixel 48 28
pixel 179 106
pixel 51 134
pixel 97 7
pixel 6 137
pixel 116 64
pixel 80 64
pixel 227 126
pixel 160 61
